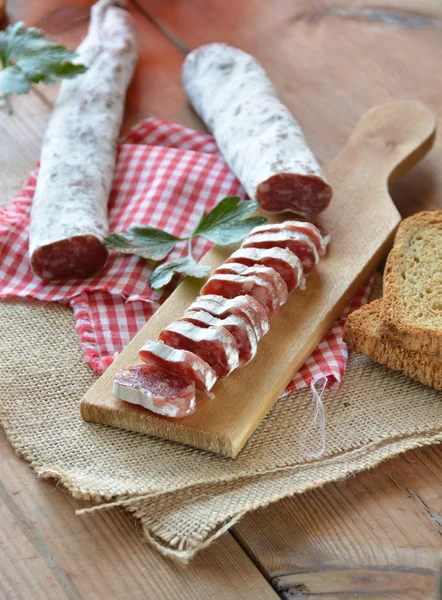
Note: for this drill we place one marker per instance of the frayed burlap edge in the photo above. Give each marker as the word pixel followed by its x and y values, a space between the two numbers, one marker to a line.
pixel 184 549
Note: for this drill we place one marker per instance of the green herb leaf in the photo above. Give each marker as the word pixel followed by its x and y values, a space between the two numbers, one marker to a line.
pixel 225 224
pixel 142 240
pixel 30 56
pixel 164 273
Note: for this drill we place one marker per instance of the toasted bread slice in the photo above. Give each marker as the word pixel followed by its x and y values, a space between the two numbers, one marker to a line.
pixel 411 311
pixel 362 334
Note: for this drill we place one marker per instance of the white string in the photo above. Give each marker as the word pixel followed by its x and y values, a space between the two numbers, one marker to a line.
pixel 319 418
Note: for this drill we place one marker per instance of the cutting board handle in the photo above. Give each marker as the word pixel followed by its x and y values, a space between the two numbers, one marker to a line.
pixel 389 139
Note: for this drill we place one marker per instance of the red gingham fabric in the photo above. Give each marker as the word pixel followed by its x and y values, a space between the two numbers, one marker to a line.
pixel 166 175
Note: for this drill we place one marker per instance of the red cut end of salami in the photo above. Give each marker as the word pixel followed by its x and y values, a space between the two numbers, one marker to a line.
pixel 240 328
pixel 179 362
pixel 304 195
pixel 73 258
pixel 155 389
pixel 215 345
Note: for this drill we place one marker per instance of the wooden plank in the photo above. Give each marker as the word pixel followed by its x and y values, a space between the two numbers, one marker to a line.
pixel 48 552
pixel 21 134
pixel 331 62
pixel 386 142
pixel 375 535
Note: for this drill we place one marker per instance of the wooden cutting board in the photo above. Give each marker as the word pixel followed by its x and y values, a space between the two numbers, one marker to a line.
pixel 361 218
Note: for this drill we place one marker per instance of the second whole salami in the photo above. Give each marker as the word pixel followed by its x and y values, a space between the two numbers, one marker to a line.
pixel 258 136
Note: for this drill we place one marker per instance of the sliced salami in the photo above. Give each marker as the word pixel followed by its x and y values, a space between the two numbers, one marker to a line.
pixel 230 286
pixel 185 364
pixel 156 389
pixel 298 243
pixel 243 306
pixel 318 237
pixel 239 327
pixel 282 260
pixel 215 345
pixel 258 136
pixel 69 209
pixel 274 279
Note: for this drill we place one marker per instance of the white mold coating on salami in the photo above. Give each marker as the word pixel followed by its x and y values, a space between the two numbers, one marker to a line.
pixel 180 362
pixel 258 136
pixel 79 151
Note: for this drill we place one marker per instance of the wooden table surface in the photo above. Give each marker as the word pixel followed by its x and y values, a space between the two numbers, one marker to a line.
pixel 378 534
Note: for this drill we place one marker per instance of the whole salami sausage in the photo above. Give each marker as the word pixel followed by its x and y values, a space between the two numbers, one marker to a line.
pixel 258 136
pixel 69 210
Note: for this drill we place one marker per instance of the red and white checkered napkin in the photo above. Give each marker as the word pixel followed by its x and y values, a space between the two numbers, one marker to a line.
pixel 166 175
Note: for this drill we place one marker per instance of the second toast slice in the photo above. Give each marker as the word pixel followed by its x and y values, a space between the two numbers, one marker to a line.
pixel 362 334
pixel 411 311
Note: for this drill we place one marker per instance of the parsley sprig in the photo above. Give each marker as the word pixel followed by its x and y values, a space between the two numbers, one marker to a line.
pixel 225 224
pixel 29 56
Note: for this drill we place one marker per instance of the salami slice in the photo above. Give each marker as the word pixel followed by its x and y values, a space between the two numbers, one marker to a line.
pixel 298 243
pixel 185 364
pixel 258 136
pixel 215 345
pixel 274 279
pixel 243 306
pixel 69 209
pixel 230 286
pixel 282 260
pixel 155 389
pixel 318 237
pixel 239 327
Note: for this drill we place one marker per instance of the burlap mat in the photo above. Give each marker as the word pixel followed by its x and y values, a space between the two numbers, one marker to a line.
pixel 185 498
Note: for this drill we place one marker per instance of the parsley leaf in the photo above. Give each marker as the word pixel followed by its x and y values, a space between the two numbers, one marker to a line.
pixel 164 273
pixel 142 240
pixel 225 224
pixel 30 56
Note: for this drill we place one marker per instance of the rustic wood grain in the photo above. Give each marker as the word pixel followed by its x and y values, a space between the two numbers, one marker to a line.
pixel 379 533
pixel 48 552
pixel 20 140
pixel 386 142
